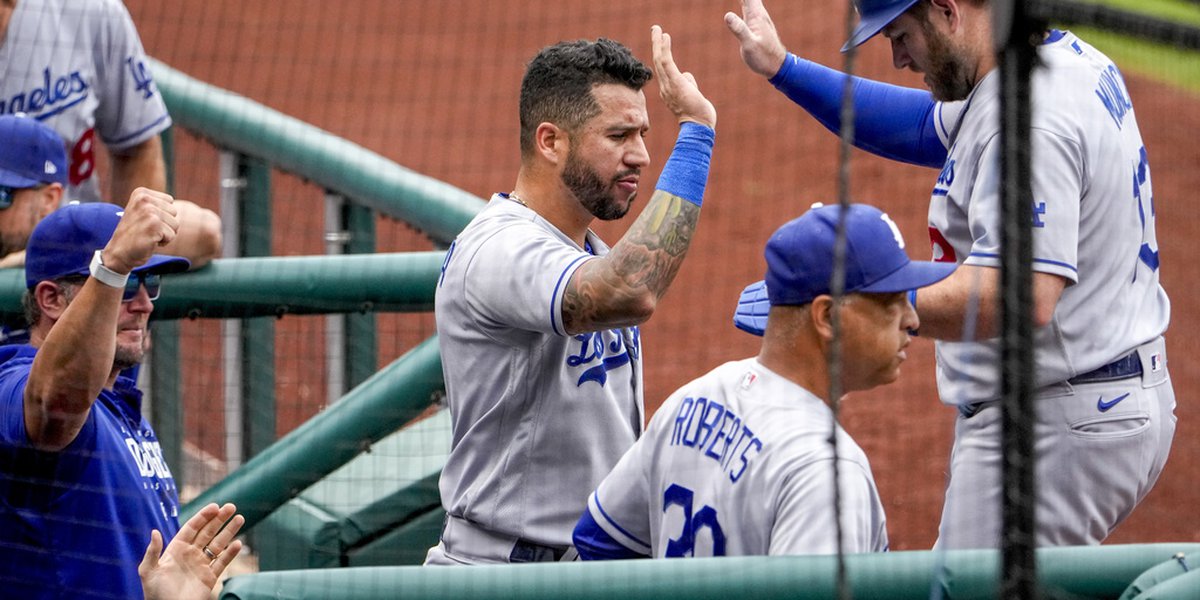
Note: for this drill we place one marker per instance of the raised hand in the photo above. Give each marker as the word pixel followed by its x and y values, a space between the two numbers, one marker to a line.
pixel 149 223
pixel 679 90
pixel 195 559
pixel 761 48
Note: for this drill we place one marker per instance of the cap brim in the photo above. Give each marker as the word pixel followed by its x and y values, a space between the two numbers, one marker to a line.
pixel 163 264
pixel 12 180
pixel 869 26
pixel 752 309
pixel 914 275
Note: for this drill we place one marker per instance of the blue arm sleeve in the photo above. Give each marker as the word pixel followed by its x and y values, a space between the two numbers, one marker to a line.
pixel 593 543
pixel 889 120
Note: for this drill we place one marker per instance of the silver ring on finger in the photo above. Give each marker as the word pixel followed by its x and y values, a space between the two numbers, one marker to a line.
pixel 209 553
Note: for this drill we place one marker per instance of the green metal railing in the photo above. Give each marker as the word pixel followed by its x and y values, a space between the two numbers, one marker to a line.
pixel 239 124
pixel 1072 572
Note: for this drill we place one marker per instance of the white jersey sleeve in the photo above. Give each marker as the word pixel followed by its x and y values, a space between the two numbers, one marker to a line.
pixel 130 109
pixel 518 276
pixel 620 504
pixel 1057 184
pixel 806 509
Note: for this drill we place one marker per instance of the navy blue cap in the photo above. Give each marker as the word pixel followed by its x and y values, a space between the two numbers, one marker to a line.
pixel 874 16
pixel 63 243
pixel 800 262
pixel 31 153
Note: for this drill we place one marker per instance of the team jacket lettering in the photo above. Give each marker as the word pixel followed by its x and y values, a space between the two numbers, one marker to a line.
pixel 717 433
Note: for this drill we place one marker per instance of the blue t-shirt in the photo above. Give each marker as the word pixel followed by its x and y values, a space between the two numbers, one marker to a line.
pixel 75 523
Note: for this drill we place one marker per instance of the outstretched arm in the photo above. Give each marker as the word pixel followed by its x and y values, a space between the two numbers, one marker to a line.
pixel 891 121
pixel 75 361
pixel 623 287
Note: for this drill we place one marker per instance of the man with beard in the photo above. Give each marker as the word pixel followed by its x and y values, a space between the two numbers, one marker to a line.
pixel 33 176
pixel 537 318
pixel 84 482
pixel 1105 404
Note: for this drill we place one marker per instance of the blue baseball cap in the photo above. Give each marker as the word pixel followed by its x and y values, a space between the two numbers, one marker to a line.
pixel 800 262
pixel 63 243
pixel 874 15
pixel 31 153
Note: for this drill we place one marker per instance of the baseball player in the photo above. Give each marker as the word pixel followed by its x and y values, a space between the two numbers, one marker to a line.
pixel 537 318
pixel 738 462
pixel 1105 405
pixel 79 66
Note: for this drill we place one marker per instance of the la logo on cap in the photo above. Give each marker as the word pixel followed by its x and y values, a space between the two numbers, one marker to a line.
pixel 895 230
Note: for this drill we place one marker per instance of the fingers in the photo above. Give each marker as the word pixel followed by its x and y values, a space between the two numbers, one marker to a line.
pixel 225 558
pixel 191 529
pixel 221 541
pixel 208 533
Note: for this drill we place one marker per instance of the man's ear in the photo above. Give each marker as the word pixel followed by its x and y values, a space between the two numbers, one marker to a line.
pixel 947 11
pixel 551 142
pixel 51 299
pixel 821 313
pixel 50 199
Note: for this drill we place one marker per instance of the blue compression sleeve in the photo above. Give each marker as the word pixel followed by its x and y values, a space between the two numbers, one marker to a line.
pixel 686 172
pixel 889 120
pixel 593 543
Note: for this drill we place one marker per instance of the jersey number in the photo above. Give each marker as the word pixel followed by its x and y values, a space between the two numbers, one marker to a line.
pixel 83 157
pixel 1143 194
pixel 685 544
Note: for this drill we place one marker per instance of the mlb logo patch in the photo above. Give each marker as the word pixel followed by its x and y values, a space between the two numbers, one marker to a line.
pixel 748 380
pixel 1156 362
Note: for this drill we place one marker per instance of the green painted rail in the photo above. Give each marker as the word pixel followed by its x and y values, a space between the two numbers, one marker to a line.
pixel 1073 572
pixel 274 286
pixel 234 122
pixel 371 411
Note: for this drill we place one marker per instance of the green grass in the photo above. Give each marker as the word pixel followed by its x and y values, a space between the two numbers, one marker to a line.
pixel 1171 10
pixel 1160 62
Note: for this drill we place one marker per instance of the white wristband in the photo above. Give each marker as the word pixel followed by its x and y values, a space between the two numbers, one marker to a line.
pixel 106 275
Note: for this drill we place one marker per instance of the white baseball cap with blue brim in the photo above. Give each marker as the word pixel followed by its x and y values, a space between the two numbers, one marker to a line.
pixel 800 262
pixel 874 15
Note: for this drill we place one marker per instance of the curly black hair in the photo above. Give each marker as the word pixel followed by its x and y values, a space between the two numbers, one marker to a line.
pixel 557 87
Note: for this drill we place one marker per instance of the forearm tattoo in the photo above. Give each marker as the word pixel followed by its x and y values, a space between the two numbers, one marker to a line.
pixel 646 260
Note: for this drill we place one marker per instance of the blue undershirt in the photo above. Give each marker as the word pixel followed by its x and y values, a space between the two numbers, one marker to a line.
pixel 889 120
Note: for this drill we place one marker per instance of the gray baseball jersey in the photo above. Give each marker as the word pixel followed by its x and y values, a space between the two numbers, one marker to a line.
pixel 79 66
pixel 1101 444
pixel 738 462
pixel 539 416
pixel 1093 220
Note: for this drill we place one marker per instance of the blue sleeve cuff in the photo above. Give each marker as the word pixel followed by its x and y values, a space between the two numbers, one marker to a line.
pixel 686 172
pixel 593 543
pixel 890 121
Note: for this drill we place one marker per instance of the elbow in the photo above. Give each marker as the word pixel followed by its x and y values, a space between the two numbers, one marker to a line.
pixel 209 242
pixel 641 308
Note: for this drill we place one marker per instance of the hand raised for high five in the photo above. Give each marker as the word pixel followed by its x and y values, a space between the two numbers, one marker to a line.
pixel 195 559
pixel 678 89
pixel 148 223
pixel 762 50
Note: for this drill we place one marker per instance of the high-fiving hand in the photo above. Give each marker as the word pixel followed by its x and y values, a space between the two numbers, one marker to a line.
pixel 762 50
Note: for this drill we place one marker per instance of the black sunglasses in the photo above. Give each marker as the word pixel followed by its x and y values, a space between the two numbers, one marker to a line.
pixel 152 281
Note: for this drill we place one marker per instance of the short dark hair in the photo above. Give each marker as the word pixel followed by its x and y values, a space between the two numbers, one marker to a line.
pixel 557 87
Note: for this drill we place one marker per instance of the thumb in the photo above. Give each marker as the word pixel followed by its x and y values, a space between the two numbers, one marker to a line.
pixel 737 27
pixel 150 559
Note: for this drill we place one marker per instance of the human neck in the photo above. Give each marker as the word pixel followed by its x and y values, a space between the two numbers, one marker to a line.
pixel 554 203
